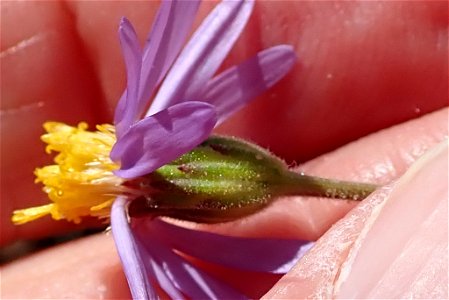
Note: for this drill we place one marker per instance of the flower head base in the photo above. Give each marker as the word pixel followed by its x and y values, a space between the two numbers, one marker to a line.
pixel 81 183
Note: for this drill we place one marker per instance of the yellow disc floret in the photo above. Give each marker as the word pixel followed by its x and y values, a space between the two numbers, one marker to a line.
pixel 81 183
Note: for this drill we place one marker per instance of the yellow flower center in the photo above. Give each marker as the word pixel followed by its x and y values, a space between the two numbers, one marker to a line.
pixel 81 183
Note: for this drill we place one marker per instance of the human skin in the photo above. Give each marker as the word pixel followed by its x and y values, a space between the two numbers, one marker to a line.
pixel 90 267
pixel 362 67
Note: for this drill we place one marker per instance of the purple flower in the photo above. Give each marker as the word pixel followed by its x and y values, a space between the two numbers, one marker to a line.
pixel 190 102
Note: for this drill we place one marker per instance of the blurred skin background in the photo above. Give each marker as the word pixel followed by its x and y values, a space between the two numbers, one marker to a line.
pixel 362 67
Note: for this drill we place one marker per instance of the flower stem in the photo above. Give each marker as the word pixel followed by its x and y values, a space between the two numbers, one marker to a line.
pixel 225 178
pixel 303 185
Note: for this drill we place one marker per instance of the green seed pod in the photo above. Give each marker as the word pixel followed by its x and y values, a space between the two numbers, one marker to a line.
pixel 223 179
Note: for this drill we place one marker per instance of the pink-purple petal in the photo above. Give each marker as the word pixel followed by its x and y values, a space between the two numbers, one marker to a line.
pixel 188 279
pixel 232 89
pixel 275 256
pixel 129 252
pixel 126 111
pixel 169 31
pixel 162 137
pixel 157 271
pixel 203 54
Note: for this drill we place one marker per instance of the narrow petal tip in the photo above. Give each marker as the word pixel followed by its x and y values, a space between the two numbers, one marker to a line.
pixel 237 86
pixel 123 22
pixel 127 112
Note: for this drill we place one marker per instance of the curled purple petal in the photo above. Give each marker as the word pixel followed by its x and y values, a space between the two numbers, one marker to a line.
pixel 190 280
pixel 126 111
pixel 275 256
pixel 232 89
pixel 129 252
pixel 203 54
pixel 169 31
pixel 162 137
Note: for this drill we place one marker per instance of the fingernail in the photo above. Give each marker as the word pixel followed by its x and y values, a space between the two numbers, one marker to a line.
pixel 403 252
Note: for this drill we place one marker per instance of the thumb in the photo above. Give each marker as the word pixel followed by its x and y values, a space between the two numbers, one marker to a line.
pixel 394 245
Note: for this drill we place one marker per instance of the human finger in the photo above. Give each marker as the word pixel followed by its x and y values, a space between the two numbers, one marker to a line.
pixel 362 66
pixel 104 252
pixel 378 158
pixel 303 118
pixel 393 245
pixel 45 76
pixel 88 268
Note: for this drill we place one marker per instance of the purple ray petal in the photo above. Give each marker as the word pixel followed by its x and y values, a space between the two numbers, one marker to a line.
pixel 157 272
pixel 129 252
pixel 203 54
pixel 169 30
pixel 193 282
pixel 158 269
pixel 159 139
pixel 234 88
pixel 276 256
pixel 126 111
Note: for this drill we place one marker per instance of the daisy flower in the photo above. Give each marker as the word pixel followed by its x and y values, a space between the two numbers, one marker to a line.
pixel 92 168
pixel 161 161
